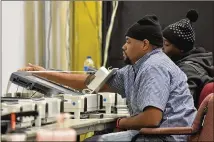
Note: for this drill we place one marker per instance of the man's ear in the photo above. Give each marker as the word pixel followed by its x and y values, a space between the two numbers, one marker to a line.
pixel 145 44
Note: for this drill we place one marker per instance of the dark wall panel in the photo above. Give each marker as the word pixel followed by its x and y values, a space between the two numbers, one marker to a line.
pixel 168 12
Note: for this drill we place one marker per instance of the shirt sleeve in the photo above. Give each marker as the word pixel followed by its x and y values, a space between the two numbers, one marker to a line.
pixel 154 89
pixel 116 82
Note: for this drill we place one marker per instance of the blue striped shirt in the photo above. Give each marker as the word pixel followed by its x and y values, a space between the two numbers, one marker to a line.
pixel 154 80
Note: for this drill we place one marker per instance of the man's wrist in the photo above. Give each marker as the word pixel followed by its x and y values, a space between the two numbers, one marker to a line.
pixel 118 122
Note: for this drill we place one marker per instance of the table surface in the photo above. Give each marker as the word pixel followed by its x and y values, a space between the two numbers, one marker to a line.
pixel 80 125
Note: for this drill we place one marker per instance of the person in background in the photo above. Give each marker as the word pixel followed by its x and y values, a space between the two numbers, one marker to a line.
pixel 155 88
pixel 196 63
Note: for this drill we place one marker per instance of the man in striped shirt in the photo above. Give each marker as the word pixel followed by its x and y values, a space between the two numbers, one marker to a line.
pixel 156 89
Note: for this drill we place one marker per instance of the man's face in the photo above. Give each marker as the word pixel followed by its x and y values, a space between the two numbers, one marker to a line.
pixel 170 50
pixel 132 50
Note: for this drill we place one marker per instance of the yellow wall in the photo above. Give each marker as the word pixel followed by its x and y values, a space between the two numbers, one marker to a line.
pixel 86 33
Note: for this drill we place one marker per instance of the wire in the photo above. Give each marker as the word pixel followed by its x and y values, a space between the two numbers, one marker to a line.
pixel 108 36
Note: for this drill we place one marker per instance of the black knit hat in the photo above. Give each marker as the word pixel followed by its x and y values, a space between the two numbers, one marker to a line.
pixel 147 28
pixel 181 33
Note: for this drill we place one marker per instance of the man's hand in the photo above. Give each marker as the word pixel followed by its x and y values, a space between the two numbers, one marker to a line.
pixel 31 67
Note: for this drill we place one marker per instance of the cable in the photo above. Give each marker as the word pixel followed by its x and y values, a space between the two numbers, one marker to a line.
pixel 108 36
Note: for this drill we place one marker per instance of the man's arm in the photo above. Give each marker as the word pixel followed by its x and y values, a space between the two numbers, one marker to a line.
pixel 151 117
pixel 76 81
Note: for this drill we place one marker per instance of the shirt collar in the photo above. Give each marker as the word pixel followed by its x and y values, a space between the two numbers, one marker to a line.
pixel 137 65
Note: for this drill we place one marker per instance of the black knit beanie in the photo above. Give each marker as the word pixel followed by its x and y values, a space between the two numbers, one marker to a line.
pixel 181 33
pixel 147 28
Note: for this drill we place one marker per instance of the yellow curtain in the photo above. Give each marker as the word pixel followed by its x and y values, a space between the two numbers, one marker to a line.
pixel 86 33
